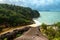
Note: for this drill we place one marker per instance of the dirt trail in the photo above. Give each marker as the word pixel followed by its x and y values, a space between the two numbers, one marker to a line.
pixel 11 29
pixel 32 34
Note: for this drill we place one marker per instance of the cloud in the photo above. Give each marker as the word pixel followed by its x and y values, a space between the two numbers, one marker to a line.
pixel 1 1
pixel 52 5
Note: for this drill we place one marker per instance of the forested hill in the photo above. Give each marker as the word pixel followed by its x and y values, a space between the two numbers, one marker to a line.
pixel 12 15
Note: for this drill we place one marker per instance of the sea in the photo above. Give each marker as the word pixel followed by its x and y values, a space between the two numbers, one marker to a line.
pixel 48 18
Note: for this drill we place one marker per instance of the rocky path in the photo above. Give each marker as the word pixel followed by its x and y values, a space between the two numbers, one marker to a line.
pixel 32 34
pixel 20 27
pixel 11 29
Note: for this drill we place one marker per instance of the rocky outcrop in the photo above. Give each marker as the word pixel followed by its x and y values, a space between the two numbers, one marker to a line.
pixel 13 34
pixel 32 34
pixel 27 33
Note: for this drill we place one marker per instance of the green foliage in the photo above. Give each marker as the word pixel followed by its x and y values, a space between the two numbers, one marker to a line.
pixel 18 35
pixel 58 24
pixel 5 38
pixel 11 15
pixel 52 33
pixel 1 28
pixel 44 26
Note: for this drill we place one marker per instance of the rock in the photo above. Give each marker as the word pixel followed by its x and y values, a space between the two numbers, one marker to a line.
pixel 13 34
pixel 32 34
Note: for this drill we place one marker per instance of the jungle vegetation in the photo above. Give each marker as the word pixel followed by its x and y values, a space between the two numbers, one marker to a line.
pixel 12 15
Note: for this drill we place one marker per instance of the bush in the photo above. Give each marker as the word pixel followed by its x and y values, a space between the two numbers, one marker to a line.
pixel 1 28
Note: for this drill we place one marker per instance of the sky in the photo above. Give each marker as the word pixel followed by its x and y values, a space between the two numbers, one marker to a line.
pixel 40 5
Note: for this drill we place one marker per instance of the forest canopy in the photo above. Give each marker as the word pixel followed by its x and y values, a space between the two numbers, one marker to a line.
pixel 12 15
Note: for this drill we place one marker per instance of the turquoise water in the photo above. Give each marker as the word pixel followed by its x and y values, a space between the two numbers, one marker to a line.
pixel 49 17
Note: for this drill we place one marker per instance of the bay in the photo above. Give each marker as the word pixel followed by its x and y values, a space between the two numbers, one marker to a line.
pixel 48 18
